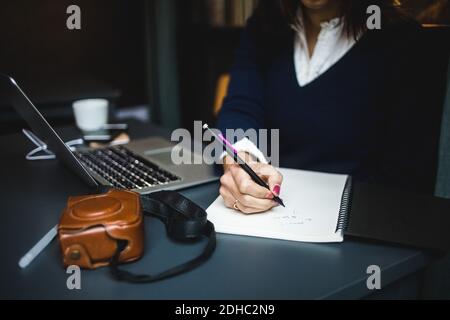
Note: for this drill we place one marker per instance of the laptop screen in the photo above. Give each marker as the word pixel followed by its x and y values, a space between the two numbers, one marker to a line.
pixel 42 128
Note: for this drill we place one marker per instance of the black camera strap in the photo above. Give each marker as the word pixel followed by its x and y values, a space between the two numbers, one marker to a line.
pixel 184 221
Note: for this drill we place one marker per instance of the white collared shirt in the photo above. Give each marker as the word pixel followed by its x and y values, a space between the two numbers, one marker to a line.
pixel 332 44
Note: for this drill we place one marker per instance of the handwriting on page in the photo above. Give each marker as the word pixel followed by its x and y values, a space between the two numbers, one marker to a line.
pixel 290 218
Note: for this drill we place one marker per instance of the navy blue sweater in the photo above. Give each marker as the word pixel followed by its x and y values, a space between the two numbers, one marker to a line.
pixel 368 115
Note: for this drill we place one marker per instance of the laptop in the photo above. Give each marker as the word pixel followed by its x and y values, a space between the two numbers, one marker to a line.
pixel 142 165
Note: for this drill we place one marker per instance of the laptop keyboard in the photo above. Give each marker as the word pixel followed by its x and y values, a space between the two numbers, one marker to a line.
pixel 124 169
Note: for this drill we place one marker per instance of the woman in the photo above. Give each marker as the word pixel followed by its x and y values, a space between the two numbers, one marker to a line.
pixel 344 98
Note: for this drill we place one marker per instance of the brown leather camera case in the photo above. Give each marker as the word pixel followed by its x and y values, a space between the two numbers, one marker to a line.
pixel 91 225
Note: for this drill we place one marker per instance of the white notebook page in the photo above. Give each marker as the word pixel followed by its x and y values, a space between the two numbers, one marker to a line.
pixel 312 202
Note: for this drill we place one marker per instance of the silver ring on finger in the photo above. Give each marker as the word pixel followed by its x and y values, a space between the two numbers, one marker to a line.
pixel 235 205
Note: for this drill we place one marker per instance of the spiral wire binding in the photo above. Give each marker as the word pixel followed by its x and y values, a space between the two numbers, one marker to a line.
pixel 346 203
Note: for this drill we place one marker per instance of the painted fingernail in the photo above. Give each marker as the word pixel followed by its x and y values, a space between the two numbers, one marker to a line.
pixel 276 189
pixel 269 195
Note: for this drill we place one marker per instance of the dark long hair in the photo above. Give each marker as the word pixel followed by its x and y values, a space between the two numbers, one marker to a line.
pixel 273 18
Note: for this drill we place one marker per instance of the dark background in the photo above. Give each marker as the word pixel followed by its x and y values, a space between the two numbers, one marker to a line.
pixel 125 52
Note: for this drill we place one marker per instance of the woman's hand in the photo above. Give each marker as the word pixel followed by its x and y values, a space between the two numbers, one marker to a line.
pixel 240 192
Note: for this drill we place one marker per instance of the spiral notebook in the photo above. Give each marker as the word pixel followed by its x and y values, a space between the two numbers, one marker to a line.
pixel 316 210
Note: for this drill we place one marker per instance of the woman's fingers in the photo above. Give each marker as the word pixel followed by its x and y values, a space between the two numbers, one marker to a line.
pixel 246 185
pixel 230 201
pixel 260 205
pixel 250 202
pixel 228 198
pixel 236 184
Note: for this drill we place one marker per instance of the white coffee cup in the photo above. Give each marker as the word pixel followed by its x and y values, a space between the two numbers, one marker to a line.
pixel 90 114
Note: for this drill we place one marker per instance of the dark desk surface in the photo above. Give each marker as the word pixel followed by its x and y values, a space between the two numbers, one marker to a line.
pixel 33 194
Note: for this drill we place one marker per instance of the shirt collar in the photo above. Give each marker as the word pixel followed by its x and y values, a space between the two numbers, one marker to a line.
pixel 331 24
pixel 325 25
